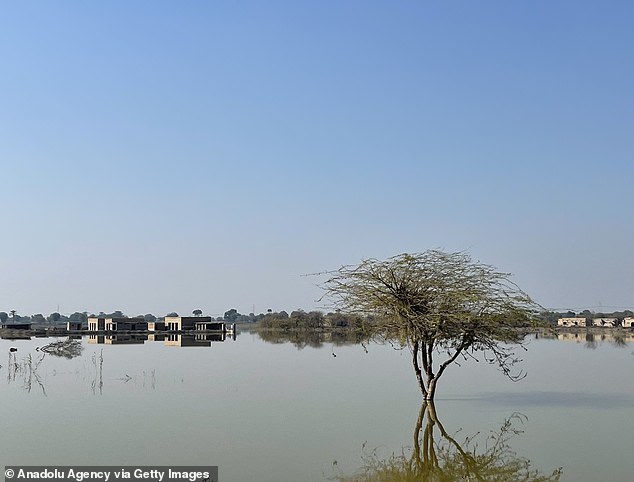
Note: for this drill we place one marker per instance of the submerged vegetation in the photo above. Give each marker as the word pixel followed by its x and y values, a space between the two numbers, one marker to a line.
pixel 65 348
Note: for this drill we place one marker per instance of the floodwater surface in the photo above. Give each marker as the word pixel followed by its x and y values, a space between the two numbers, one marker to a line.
pixel 281 411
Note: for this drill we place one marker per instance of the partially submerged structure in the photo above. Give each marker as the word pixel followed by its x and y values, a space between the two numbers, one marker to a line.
pixel 193 323
pixel 571 321
pixel 15 326
pixel 170 324
pixel 607 322
pixel 74 325
pixel 116 324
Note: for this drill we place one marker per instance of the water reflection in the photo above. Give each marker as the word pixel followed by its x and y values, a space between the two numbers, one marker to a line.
pixel 591 338
pixel 97 382
pixel 168 339
pixel 438 456
pixel 314 339
pixel 25 370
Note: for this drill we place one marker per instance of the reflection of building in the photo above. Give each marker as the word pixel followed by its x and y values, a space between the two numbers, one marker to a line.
pixel 96 339
pixel 185 323
pixel 577 337
pixel 604 322
pixel 125 339
pixel 187 340
pixel 588 336
pixel 571 322
pixel 628 322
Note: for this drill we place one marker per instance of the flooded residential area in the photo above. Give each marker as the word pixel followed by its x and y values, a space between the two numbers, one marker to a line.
pixel 316 241
pixel 300 413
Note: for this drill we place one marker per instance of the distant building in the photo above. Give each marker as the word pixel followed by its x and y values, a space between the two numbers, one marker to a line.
pixel 571 322
pixel 606 322
pixel 125 324
pixel 156 326
pixel 209 325
pixel 96 324
pixel 186 323
pixel 73 325
pixel 16 326
pixel 628 322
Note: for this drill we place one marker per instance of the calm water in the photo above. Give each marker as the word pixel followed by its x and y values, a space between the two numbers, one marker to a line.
pixel 273 412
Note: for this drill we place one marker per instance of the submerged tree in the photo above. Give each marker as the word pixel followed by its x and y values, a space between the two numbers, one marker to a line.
pixel 439 305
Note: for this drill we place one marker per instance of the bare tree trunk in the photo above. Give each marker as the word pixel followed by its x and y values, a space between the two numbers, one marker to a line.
pixel 431 389
pixel 419 376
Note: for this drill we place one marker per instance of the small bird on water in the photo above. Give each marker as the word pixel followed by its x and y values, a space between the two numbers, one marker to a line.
pixel 12 349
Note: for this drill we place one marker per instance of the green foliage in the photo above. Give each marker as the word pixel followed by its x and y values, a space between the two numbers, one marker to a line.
pixel 53 317
pixel 79 317
pixel 231 315
pixel 435 302
pixel 313 320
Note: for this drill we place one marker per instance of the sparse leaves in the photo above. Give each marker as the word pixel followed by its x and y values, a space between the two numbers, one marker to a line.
pixel 436 301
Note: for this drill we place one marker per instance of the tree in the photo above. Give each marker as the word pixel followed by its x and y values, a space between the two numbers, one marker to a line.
pixel 231 315
pixel 437 304
pixel 197 312
pixel 79 317
pixel 4 316
pixel 53 317
pixel 38 319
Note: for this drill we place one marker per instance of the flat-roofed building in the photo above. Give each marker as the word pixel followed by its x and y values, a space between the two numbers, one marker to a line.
pixel 125 324
pixel 156 326
pixel 16 326
pixel 606 322
pixel 628 322
pixel 96 324
pixel 73 325
pixel 185 323
pixel 578 321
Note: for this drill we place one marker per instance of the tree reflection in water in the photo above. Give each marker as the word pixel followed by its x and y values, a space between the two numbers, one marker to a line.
pixel 313 338
pixel 438 457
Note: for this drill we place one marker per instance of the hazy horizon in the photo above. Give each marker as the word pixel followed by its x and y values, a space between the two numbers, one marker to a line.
pixel 160 157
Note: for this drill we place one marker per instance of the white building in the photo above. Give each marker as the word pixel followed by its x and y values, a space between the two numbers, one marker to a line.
pixel 606 322
pixel 571 322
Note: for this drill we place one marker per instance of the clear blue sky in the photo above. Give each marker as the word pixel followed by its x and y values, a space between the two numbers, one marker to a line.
pixel 159 156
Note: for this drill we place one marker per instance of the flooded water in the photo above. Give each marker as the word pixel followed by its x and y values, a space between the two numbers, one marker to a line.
pixel 309 411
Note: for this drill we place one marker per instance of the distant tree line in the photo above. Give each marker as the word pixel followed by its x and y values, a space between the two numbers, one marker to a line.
pixel 297 320
pixel 312 320
pixel 276 320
